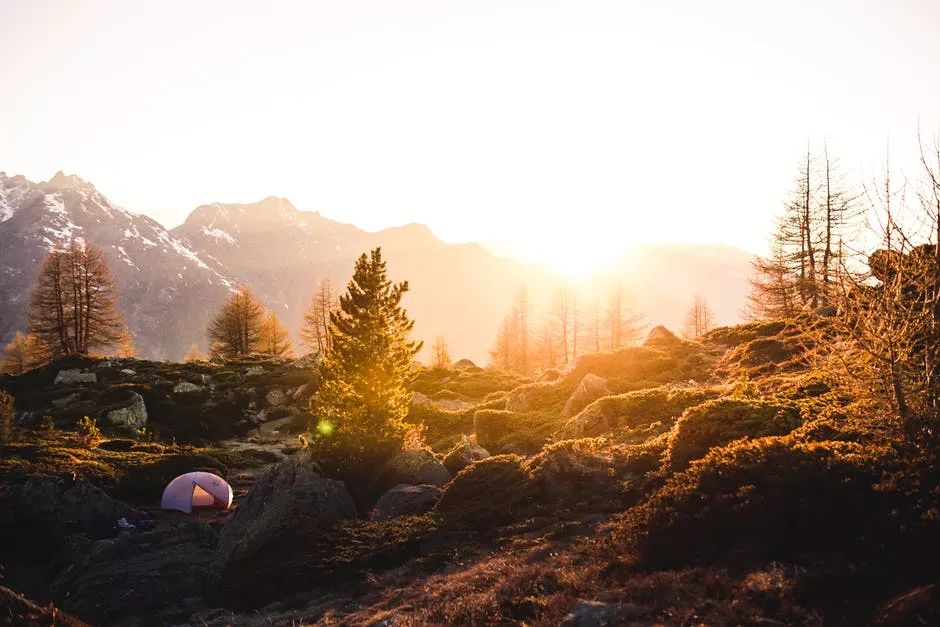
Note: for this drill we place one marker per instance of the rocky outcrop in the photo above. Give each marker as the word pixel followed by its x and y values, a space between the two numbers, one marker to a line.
pixel 289 500
pixel 60 507
pixel 75 376
pixel 524 397
pixel 420 400
pixel 591 388
pixel 405 500
pixel 132 416
pixel 660 335
pixel 185 387
pixel 413 467
pixel 463 454
pixel 163 575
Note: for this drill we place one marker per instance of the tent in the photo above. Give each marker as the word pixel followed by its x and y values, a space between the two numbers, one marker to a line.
pixel 197 489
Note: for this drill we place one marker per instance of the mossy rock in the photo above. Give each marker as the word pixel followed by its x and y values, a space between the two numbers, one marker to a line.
pixel 489 493
pixel 764 499
pixel 724 420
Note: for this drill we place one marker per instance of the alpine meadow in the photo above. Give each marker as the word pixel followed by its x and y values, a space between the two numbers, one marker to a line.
pixel 470 313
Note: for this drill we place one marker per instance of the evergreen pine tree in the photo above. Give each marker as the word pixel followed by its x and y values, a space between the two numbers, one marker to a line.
pixel 363 397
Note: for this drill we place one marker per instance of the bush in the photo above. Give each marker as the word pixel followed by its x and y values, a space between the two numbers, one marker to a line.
pixel 724 420
pixel 491 492
pixel 770 498
pixel 88 432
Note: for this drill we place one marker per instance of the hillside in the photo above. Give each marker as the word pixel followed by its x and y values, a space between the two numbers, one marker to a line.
pixel 172 281
pixel 716 482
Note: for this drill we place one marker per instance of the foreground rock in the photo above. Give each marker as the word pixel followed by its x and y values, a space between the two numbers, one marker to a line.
pixel 287 504
pixel 133 416
pixel 73 376
pixel 406 500
pixel 414 467
pixel 591 388
pixel 163 575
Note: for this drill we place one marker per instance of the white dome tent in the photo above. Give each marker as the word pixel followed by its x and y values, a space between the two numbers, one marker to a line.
pixel 197 489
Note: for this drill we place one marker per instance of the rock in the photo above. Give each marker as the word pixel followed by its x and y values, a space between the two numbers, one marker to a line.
pixel 204 379
pixel 420 400
pixel 162 575
pixel 523 397
pixel 276 397
pixel 60 507
pixel 591 388
pixel 463 454
pixel 660 335
pixel 185 387
pixel 288 501
pixel 591 614
pixel 66 400
pixel 413 467
pixel 301 392
pixel 128 372
pixel 133 415
pixel 75 375
pixel 310 360
pixel 254 371
pixel 463 364
pixel 405 500
pixel 275 426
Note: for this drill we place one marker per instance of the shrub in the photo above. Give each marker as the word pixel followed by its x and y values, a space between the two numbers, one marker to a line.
pixel 770 498
pixel 88 432
pixel 491 492
pixel 723 420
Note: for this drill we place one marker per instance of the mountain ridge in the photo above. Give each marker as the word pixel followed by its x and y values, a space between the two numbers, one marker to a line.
pixel 171 281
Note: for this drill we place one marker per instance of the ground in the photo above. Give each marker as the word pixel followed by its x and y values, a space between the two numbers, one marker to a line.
pixel 724 481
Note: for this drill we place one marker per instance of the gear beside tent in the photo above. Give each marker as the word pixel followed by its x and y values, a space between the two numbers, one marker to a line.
pixel 197 489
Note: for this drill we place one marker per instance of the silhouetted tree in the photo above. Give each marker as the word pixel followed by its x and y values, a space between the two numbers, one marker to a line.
pixel 23 353
pixel 237 327
pixel 698 319
pixel 315 332
pixel 441 356
pixel 274 338
pixel 72 307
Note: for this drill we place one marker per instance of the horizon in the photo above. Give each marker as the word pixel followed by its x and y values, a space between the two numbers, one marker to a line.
pixel 565 134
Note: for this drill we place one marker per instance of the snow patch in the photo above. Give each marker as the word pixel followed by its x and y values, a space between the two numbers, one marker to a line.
pixel 218 234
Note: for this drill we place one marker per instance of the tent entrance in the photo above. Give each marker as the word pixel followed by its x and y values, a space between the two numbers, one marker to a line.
pixel 201 498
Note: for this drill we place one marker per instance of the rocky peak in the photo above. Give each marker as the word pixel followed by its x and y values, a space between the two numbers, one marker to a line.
pixel 62 181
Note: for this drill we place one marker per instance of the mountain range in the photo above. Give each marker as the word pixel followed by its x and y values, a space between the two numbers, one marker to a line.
pixel 171 281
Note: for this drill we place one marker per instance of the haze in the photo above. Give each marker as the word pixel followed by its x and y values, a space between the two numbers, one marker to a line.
pixel 561 132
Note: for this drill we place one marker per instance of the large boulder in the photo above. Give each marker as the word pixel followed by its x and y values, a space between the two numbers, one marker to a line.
pixel 132 416
pixel 413 467
pixel 159 577
pixel 591 388
pixel 661 336
pixel 405 500
pixel 60 507
pixel 289 500
pixel 74 376
pixel 463 454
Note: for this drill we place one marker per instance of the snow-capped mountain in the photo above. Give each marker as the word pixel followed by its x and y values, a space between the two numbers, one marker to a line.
pixel 170 283
pixel 167 292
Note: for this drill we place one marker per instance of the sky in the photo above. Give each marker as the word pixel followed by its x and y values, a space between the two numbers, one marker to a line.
pixel 564 132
